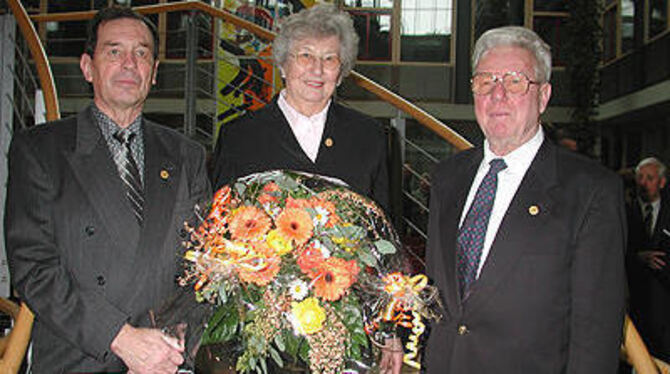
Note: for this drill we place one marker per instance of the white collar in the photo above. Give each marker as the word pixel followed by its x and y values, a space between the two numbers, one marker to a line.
pixel 519 159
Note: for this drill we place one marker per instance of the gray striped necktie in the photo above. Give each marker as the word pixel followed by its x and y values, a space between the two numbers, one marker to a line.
pixel 130 173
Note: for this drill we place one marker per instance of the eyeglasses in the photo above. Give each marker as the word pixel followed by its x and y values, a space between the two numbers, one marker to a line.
pixel 329 61
pixel 514 82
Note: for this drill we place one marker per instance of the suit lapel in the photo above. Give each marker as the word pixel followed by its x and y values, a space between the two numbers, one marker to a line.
pixel 534 190
pixel 93 167
pixel 162 178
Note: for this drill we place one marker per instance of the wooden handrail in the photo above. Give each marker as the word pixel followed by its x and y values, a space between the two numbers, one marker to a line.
pixel 42 64
pixel 414 111
pixel 383 93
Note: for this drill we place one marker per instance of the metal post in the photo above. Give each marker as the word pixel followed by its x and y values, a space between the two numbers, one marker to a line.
pixel 8 28
pixel 190 92
pixel 399 124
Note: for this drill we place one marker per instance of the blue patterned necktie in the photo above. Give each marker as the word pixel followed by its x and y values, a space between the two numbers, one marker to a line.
pixel 130 173
pixel 473 230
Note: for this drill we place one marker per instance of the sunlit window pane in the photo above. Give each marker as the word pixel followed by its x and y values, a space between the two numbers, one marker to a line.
pixel 426 30
pixel 369 3
pixel 627 25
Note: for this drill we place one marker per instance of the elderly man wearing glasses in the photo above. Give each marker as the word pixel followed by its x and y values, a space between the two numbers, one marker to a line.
pixel 526 239
pixel 304 128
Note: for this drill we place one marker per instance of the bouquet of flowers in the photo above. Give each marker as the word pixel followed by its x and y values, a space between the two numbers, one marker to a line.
pixel 302 269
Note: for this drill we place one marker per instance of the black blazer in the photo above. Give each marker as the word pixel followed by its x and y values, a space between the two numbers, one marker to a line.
pixel 77 255
pixel 549 298
pixel 650 288
pixel 353 148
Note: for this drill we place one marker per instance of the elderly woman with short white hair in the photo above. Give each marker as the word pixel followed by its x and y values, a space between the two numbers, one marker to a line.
pixel 304 128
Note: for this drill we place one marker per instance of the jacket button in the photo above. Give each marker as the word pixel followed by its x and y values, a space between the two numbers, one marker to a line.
pixel 101 280
pixel 462 330
pixel 89 230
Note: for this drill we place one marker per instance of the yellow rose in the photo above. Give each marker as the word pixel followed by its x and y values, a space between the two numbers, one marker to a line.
pixel 308 316
pixel 277 242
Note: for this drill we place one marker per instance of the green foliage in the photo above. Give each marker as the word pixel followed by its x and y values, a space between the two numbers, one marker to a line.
pixel 583 56
pixel 223 325
pixel 349 311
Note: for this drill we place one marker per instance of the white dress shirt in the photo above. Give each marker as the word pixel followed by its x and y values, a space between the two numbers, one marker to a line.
pixel 509 180
pixel 307 130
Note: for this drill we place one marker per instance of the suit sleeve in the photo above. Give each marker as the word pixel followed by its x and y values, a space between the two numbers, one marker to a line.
pixel 223 170
pixel 597 282
pixel 82 317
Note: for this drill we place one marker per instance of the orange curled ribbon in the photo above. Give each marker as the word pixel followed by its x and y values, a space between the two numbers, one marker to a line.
pixel 402 289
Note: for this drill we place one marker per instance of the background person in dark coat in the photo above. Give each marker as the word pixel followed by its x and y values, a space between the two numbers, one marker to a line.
pixel 304 128
pixel 88 263
pixel 545 288
pixel 648 247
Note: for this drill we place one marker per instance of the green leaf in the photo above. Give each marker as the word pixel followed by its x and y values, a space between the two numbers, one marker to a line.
pixel 279 342
pixel 276 357
pixel 286 183
pixel 240 188
pixel 366 257
pixel 264 365
pixel 385 247
pixel 222 326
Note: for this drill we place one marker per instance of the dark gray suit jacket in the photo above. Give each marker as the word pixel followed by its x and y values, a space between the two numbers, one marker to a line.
pixel 77 255
pixel 650 288
pixel 549 298
pixel 263 140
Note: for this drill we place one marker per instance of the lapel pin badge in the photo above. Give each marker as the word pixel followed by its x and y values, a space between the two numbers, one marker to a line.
pixel 533 210
pixel 165 174
pixel 329 142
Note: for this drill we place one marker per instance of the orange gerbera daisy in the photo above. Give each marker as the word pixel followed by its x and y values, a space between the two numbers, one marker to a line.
pixel 335 277
pixel 271 187
pixel 266 198
pixel 295 224
pixel 297 203
pixel 309 261
pixel 249 222
pixel 259 270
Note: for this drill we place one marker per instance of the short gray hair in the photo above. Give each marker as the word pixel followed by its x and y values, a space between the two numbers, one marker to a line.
pixel 320 21
pixel 516 36
pixel 652 161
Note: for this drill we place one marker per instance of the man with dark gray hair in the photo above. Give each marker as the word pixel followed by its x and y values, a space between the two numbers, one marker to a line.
pixel 94 205
pixel 526 239
pixel 648 246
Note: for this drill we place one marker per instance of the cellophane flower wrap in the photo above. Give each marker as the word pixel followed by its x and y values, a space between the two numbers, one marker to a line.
pixel 303 270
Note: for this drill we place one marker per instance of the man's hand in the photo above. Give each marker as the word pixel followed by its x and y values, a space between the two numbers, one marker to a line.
pixel 653 259
pixel 391 361
pixel 147 350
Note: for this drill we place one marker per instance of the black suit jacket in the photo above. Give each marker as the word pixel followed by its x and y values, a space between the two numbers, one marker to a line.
pixel 77 255
pixel 549 298
pixel 650 288
pixel 353 148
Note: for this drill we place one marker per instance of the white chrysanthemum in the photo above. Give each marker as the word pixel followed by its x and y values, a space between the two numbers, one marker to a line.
pixel 298 289
pixel 321 216
pixel 325 252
